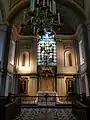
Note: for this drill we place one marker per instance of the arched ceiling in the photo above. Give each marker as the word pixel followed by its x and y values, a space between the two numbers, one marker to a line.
pixel 71 16
pixel 2 12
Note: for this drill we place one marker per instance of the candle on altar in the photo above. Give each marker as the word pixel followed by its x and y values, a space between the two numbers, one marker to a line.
pixel 58 17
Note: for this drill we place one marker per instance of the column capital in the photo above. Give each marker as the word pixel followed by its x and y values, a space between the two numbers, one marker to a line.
pixel 88 24
pixel 3 27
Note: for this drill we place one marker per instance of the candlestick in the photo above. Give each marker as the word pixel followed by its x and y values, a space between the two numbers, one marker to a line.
pixel 52 20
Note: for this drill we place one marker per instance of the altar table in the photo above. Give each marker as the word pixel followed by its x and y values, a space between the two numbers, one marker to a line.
pixel 47 98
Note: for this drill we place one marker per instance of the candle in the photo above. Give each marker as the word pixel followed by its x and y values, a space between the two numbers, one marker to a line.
pixel 31 5
pixel 50 7
pixel 51 28
pixel 37 11
pixel 47 2
pixel 58 17
pixel 37 1
pixel 46 13
pixel 55 7
pixel 52 20
pixel 34 30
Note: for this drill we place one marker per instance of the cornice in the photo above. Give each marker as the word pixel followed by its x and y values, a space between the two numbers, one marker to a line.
pixel 58 37
pixel 69 37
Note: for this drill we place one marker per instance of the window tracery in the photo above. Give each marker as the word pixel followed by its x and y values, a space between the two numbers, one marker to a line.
pixel 47 50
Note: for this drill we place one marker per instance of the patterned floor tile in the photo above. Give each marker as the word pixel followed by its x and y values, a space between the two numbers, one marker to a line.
pixel 45 114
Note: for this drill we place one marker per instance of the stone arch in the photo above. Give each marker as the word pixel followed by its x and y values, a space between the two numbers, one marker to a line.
pixel 2 12
pixel 25 3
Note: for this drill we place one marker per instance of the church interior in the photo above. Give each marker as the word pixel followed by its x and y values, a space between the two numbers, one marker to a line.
pixel 45 59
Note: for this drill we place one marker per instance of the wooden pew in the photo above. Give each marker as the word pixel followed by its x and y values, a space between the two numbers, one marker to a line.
pixel 10 110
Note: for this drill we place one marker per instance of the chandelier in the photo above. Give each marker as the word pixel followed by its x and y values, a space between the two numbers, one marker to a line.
pixel 43 16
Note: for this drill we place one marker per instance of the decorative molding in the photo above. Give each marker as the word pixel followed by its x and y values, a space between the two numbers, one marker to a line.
pixel 69 37
pixel 3 27
pixel 57 37
pixel 12 3
pixel 67 45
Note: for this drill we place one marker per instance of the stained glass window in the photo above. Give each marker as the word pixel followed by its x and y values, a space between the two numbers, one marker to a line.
pixel 47 50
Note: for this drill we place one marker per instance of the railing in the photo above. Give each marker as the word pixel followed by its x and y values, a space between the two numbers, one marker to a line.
pixel 46 100
pixel 81 107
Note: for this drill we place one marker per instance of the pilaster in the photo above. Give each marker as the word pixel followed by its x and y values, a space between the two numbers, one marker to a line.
pixel 5 32
pixel 16 84
pixel 87 49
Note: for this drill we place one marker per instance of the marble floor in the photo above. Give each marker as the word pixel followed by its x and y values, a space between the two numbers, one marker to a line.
pixel 45 114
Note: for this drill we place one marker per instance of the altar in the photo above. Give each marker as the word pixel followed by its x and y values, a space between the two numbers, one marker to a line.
pixel 47 98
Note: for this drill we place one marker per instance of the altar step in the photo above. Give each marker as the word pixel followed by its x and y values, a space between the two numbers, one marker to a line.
pixel 46 106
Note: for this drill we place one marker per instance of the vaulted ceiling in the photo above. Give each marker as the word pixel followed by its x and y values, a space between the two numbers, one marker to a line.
pixel 72 14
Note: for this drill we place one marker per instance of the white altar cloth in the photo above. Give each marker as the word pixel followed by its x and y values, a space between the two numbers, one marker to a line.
pixel 41 99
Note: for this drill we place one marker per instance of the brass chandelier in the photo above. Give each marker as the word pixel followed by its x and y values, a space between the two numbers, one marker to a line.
pixel 43 16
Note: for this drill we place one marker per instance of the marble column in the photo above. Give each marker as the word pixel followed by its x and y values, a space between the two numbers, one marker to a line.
pixel 16 84
pixel 16 76
pixel 17 54
pixel 86 31
pixel 78 85
pixel 5 32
